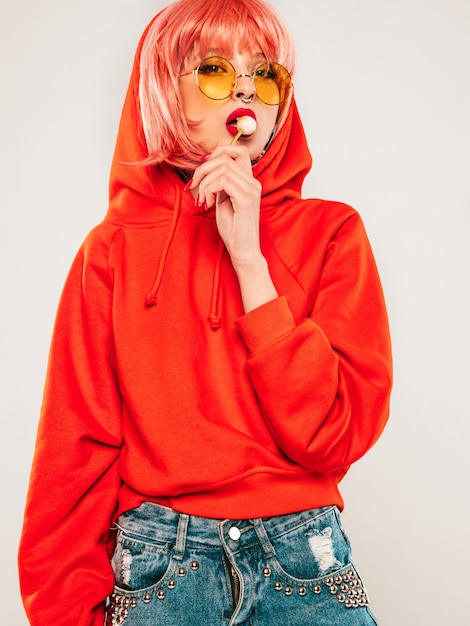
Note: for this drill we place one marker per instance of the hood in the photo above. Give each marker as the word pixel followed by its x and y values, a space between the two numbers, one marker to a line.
pixel 135 187
pixel 142 194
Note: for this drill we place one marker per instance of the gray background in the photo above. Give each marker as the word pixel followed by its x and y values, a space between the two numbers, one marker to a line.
pixel 383 88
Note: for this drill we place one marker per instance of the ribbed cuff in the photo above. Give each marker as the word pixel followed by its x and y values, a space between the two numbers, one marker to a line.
pixel 266 325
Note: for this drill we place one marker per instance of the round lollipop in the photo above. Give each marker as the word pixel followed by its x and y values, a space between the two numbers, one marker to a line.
pixel 246 125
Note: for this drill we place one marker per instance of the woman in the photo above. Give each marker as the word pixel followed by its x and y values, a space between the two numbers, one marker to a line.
pixel 220 358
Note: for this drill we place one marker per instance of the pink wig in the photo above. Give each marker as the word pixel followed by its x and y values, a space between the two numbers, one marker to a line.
pixel 193 27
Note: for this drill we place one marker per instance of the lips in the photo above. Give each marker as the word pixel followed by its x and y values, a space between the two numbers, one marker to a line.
pixel 231 122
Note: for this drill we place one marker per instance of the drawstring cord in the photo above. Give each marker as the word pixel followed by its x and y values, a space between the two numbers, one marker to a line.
pixel 151 297
pixel 214 318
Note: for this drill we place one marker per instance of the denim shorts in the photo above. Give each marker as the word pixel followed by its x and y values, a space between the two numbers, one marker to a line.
pixel 173 569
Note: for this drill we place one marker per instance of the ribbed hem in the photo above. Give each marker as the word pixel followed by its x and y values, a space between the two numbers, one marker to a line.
pixel 266 325
pixel 258 495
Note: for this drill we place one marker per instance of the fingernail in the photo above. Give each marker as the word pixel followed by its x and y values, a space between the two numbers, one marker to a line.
pixel 188 184
pixel 205 157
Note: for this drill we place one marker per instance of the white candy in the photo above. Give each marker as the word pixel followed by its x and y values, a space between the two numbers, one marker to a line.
pixel 246 125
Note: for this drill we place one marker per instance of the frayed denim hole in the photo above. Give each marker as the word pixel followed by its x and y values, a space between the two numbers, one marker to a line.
pixel 322 548
pixel 121 564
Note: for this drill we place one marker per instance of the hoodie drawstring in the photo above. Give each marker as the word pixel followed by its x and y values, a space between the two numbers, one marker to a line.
pixel 151 297
pixel 214 317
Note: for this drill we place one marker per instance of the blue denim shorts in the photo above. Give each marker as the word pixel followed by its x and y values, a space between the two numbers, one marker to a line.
pixel 173 569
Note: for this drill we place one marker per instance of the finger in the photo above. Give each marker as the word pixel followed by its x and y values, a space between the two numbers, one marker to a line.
pixel 237 156
pixel 242 190
pixel 237 152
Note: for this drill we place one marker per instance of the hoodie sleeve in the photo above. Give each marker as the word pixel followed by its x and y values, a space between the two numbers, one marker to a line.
pixel 323 383
pixel 65 571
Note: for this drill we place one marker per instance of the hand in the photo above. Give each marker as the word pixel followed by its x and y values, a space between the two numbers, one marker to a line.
pixel 226 183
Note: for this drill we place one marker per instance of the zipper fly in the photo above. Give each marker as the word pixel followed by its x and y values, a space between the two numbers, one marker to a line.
pixel 235 585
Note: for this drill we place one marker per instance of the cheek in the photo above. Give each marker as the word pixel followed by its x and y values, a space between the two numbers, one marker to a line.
pixel 274 113
pixel 202 130
pixel 193 110
pixel 193 104
pixel 198 112
pixel 267 124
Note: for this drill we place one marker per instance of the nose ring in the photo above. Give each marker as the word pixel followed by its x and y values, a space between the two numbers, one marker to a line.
pixel 244 99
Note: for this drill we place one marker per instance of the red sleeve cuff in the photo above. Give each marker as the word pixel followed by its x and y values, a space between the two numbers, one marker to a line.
pixel 266 325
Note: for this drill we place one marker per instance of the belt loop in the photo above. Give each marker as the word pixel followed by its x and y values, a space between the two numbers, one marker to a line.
pixel 181 533
pixel 267 546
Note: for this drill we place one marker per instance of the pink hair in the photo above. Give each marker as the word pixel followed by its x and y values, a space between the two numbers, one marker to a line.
pixel 190 27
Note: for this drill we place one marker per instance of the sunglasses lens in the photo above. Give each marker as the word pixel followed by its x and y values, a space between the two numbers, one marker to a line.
pixel 273 83
pixel 216 78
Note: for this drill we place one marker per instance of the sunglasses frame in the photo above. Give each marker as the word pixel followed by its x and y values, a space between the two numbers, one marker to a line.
pixel 253 77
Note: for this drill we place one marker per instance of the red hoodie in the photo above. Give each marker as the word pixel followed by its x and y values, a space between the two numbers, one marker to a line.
pixel 160 388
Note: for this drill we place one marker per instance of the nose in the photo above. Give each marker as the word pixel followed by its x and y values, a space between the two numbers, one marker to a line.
pixel 244 87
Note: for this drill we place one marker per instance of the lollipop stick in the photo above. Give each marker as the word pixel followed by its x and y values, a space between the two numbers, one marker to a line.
pixel 236 138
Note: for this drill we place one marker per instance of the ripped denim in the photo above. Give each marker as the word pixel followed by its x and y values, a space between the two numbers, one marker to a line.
pixel 173 569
